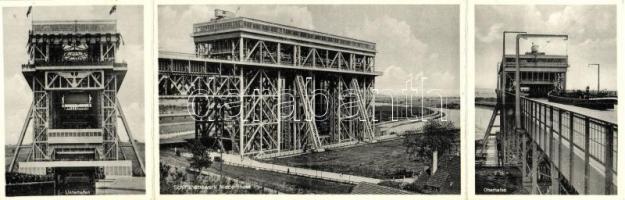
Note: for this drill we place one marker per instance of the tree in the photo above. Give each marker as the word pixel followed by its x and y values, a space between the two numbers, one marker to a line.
pixel 437 136
pixel 200 158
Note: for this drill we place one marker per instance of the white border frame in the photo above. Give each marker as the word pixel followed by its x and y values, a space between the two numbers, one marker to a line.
pixel 148 92
pixel 471 95
pixel 462 17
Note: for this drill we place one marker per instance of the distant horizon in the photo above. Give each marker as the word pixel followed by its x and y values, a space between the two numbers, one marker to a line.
pixel 592 38
pixel 427 53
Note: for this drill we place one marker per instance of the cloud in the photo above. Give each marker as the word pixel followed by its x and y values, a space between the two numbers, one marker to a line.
pixel 397 38
pixel 494 33
pixel 403 56
pixel 591 30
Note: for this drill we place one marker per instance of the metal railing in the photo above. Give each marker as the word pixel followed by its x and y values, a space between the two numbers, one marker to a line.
pixel 574 142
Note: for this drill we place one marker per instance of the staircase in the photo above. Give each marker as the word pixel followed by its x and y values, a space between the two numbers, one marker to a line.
pixel 362 111
pixel 309 114
pixel 489 142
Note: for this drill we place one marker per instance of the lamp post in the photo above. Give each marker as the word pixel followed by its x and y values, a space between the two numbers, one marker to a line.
pixel 502 82
pixel 598 73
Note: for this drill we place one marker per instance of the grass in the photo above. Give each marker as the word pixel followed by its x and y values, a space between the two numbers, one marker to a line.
pixel 452 166
pixel 283 183
pixel 382 160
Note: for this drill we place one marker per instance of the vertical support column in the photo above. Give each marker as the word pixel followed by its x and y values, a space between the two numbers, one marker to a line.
pixel 517 96
pixel 372 103
pixel 101 51
pixel 340 98
pixel 586 154
pixel 241 113
pixel 338 60
pixel 299 56
pixel 559 145
pixel 523 156
pixel 241 52
pixel 232 53
pixel 502 115
pixel 609 159
pixel 571 144
pixel 260 74
pixel 534 169
pixel 279 91
pixel 555 186
pixel 372 64
pixel 327 58
pixel 114 51
pixel 313 51
pixel 351 61
pixel 47 52
pixel 279 58
pixel 564 81
pixel 295 55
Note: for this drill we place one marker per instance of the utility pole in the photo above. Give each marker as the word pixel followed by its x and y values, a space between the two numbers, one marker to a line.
pixel 598 74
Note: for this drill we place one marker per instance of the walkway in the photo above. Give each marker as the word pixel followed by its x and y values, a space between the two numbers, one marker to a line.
pixel 236 160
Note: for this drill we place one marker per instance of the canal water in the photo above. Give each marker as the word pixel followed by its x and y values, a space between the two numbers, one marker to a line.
pixel 452 115
pixel 482 117
pixel 483 114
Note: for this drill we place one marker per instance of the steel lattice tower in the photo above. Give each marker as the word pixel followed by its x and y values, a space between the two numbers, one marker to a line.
pixel 266 89
pixel 75 77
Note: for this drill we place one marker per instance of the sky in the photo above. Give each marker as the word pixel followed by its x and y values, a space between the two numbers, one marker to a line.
pixel 414 42
pixel 18 95
pixel 592 39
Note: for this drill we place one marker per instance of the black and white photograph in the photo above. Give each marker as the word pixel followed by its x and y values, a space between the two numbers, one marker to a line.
pixel 74 100
pixel 546 99
pixel 197 99
pixel 309 99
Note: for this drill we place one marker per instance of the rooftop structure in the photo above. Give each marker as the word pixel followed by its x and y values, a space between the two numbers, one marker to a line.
pixel 540 72
pixel 251 40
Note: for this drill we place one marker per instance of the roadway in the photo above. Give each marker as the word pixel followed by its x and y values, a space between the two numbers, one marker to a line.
pixel 247 162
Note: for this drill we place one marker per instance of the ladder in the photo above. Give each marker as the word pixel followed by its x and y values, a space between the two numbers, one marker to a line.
pixel 488 133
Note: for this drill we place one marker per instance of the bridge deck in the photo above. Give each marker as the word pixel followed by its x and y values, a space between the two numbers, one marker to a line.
pixel 578 146
pixel 596 180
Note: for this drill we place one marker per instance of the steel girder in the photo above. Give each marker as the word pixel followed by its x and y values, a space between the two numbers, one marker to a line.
pixel 258 111
pixel 261 50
